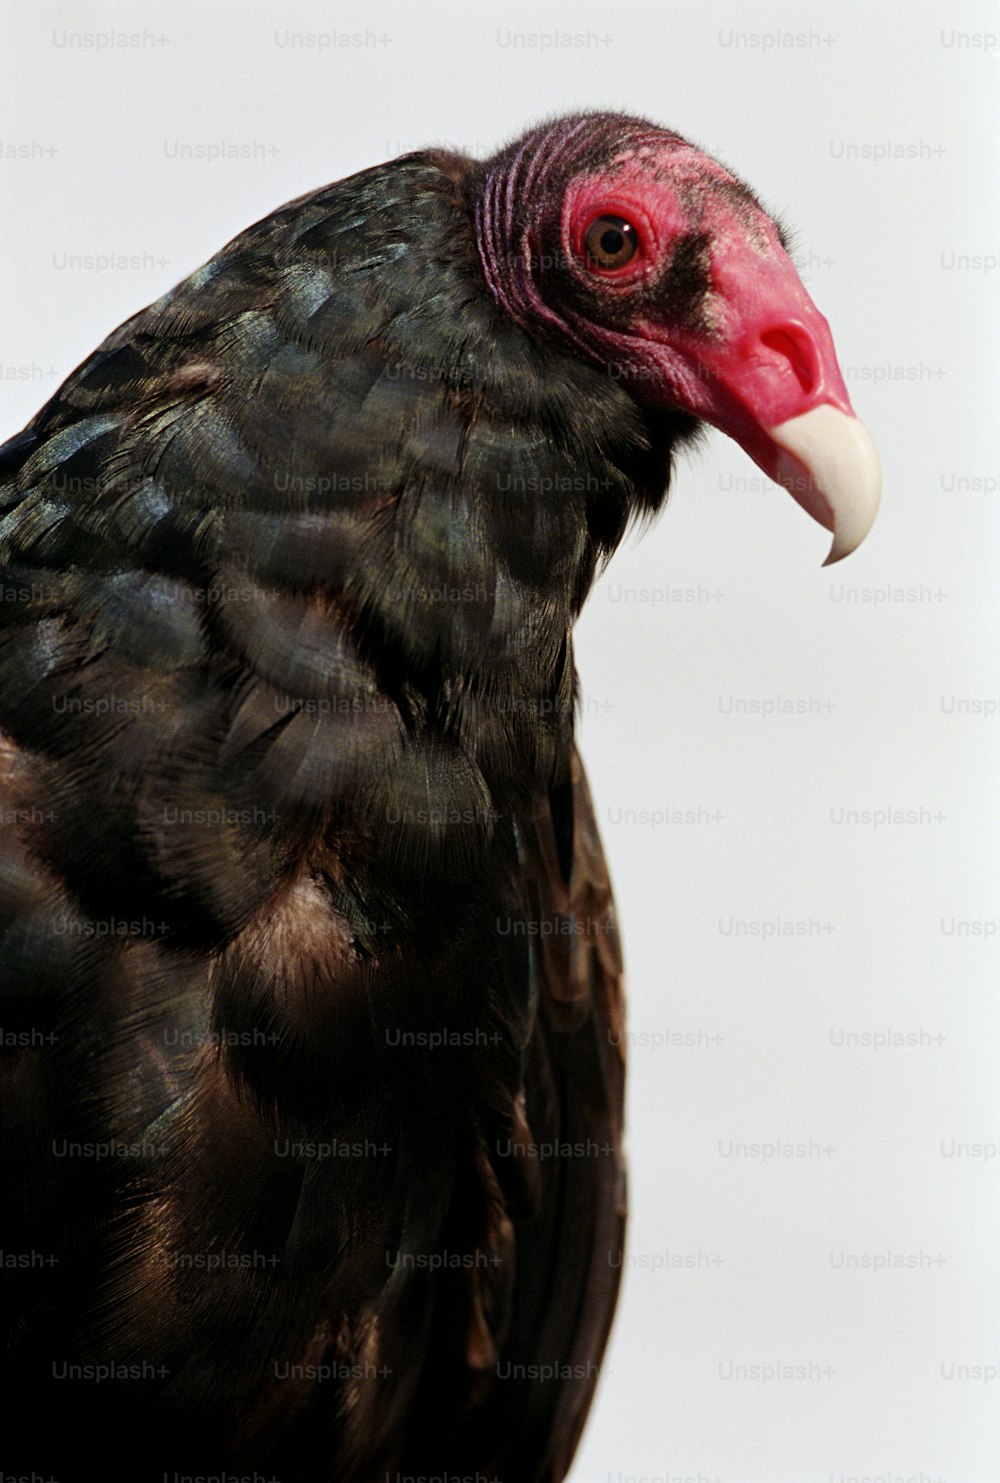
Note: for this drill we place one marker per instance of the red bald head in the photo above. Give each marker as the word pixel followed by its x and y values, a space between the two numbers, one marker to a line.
pixel 650 258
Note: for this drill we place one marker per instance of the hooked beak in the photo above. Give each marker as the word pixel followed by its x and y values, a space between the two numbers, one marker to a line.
pixel 768 377
pixel 829 464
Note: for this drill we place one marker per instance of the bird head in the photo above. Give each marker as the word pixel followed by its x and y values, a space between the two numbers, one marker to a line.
pixel 649 258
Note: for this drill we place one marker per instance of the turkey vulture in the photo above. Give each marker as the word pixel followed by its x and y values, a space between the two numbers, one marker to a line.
pixel 311 1037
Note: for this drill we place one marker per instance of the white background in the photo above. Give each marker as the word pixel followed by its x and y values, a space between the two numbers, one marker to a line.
pixel 747 683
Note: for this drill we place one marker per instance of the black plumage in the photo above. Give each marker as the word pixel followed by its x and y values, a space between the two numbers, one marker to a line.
pixel 312 1065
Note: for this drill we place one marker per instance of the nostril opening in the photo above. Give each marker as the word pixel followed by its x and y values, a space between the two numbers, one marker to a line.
pixel 795 352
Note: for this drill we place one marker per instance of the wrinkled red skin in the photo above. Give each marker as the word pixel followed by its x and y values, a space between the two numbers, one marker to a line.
pixel 767 354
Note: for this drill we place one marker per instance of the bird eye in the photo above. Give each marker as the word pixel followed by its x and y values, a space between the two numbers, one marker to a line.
pixel 610 242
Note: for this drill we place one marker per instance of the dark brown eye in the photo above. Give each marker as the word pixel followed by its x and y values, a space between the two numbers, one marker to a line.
pixel 610 242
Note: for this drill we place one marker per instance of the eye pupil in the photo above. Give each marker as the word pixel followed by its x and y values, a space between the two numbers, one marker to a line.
pixel 610 242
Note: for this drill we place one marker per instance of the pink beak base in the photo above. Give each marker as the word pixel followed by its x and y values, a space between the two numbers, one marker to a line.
pixel 769 379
